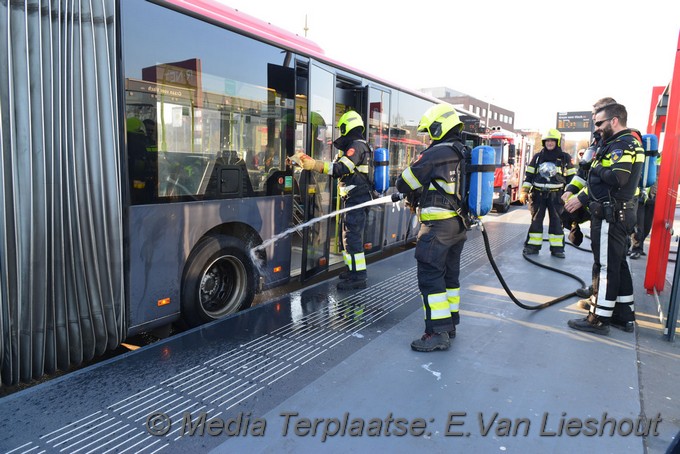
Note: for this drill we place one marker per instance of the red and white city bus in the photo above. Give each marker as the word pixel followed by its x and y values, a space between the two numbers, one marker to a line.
pixel 144 150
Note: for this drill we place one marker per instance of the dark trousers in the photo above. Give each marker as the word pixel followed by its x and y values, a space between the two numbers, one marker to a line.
pixel 612 281
pixel 353 225
pixel 540 202
pixel 438 250
pixel 645 216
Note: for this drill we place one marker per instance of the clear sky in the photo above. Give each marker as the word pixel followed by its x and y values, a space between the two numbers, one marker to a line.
pixel 535 58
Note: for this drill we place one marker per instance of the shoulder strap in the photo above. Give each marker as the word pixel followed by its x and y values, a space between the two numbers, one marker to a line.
pixel 460 149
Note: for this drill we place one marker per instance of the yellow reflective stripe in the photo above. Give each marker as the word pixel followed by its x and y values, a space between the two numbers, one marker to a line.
pixel 439 306
pixel 453 297
pixel 535 239
pixel 410 179
pixel 578 182
pixel 449 188
pixel 363 168
pixel 327 166
pixel 531 169
pixel 526 184
pixel 347 259
pixel 556 240
pixel 436 214
pixel 360 261
pixel 571 171
pixel 344 190
pixel 348 162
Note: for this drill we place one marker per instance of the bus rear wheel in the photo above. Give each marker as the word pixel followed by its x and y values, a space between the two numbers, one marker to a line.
pixel 219 280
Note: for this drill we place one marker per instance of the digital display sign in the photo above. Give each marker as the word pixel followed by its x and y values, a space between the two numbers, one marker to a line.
pixel 574 121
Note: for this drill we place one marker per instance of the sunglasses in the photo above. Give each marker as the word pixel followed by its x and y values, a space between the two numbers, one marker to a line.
pixel 601 122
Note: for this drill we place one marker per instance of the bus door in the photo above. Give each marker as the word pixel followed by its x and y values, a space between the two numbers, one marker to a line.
pixel 352 95
pixel 316 189
pixel 382 226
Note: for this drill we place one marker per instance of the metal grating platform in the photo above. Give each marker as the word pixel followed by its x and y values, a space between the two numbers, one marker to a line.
pixel 226 382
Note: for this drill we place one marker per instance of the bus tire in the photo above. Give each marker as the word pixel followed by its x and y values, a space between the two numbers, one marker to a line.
pixel 219 280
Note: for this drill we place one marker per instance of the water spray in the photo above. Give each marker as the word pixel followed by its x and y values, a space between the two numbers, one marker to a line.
pixel 379 201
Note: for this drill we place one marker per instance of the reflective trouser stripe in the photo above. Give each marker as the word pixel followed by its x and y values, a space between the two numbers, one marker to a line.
pixel 437 305
pixel 453 297
pixel 627 299
pixel 535 239
pixel 556 240
pixel 355 262
pixel 359 261
pixel 603 306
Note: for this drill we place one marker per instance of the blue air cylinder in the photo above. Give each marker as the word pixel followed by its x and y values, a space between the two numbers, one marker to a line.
pixel 651 145
pixel 381 171
pixel 481 173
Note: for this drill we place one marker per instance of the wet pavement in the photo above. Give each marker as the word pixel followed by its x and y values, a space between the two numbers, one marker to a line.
pixel 323 371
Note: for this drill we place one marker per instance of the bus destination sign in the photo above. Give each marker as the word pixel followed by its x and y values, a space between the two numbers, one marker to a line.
pixel 574 121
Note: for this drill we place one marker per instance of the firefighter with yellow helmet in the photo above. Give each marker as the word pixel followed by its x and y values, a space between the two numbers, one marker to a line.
pixel 437 172
pixel 546 176
pixel 351 168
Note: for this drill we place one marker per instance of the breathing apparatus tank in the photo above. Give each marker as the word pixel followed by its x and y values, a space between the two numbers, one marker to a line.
pixel 651 145
pixel 381 170
pixel 481 171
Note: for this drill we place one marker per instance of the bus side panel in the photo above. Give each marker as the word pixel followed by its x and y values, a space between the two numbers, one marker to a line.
pixel 397 218
pixel 163 236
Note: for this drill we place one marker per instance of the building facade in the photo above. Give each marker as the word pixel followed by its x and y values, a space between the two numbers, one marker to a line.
pixel 490 114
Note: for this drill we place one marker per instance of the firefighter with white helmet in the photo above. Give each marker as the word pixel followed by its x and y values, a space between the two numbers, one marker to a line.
pixel 438 173
pixel 546 176
pixel 351 168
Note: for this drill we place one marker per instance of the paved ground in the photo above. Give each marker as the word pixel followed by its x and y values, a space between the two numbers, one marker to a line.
pixel 317 370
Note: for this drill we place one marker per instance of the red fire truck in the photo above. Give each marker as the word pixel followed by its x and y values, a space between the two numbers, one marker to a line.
pixel 512 153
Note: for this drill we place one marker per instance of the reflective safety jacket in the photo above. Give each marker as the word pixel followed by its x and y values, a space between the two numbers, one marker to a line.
pixel 537 178
pixel 440 164
pixel 616 170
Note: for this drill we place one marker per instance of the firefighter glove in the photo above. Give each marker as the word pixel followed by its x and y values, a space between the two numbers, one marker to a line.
pixel 309 163
pixel 297 158
pixel 523 197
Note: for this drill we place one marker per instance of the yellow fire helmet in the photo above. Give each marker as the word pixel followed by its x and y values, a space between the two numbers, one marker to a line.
pixel 438 120
pixel 349 121
pixel 553 134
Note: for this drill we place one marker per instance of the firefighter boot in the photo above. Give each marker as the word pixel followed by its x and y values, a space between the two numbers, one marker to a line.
pixel 455 318
pixel 591 324
pixel 628 326
pixel 354 280
pixel 431 342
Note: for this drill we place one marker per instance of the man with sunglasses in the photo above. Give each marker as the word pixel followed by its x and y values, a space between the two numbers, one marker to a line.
pixel 610 196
